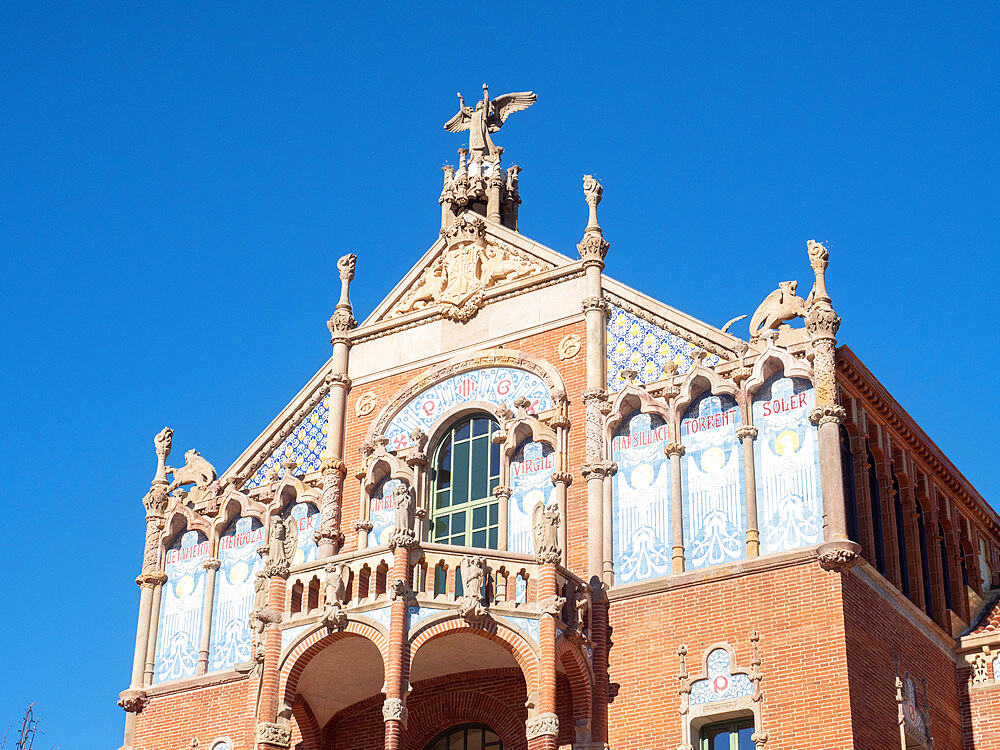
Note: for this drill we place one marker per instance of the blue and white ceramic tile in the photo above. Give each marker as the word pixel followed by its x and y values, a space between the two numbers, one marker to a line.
pixel 181 603
pixel 721 683
pixel 305 444
pixel 530 481
pixel 288 635
pixel 635 344
pixel 527 625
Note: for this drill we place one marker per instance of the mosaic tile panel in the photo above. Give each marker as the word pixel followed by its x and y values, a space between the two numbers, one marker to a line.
pixel 526 625
pixel 234 594
pixel 179 633
pixel 721 683
pixel 414 615
pixel 304 444
pixel 634 344
pixel 382 615
pixel 531 481
pixel 288 635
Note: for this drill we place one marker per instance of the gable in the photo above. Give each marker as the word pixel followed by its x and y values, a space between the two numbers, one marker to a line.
pixel 462 271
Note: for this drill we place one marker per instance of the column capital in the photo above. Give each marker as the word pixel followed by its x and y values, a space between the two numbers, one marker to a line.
pixel 363 526
pixel 674 449
pixel 277 733
pixel 746 431
pixel 595 303
pixel 543 724
pixel 133 701
pixel 827 413
pixel 333 465
pixel 335 537
pixel 154 578
pixel 394 709
pixel 212 563
pixel 276 569
pixel 562 477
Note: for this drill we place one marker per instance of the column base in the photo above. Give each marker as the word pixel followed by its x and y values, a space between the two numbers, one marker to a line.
pixel 839 554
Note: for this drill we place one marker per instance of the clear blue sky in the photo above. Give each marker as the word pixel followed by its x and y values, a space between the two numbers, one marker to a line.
pixel 178 181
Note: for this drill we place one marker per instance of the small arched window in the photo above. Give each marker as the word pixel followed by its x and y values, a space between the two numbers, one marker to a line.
pixel 467 737
pixel 925 563
pixel 466 471
pixel 850 488
pixel 876 508
pixel 904 565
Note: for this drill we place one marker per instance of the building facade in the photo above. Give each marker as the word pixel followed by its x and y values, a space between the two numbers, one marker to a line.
pixel 525 506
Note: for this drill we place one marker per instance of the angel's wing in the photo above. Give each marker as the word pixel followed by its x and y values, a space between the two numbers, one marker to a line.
pixel 459 122
pixel 506 104
pixel 291 540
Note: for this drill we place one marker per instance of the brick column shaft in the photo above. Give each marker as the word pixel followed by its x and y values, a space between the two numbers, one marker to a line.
pixel 270 676
pixel 547 587
pixel 397 659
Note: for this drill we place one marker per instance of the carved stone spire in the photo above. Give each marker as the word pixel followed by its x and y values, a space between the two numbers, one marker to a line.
pixel 593 247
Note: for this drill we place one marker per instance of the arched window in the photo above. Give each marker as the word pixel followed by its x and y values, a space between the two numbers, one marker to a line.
pixel 467 737
pixel 466 471
pixel 850 489
pixel 949 602
pixel 925 563
pixel 876 501
pixel 904 567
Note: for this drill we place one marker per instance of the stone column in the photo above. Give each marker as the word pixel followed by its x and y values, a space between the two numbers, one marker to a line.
pixel 211 565
pixel 542 726
pixel 593 248
pixel 397 669
pixel 495 185
pixel 747 434
pixel 502 494
pixel 272 733
pixel 447 214
pixel 329 537
pixel 674 452
pixel 134 699
pixel 562 480
pixel 837 552
pixel 608 575
pixel 154 627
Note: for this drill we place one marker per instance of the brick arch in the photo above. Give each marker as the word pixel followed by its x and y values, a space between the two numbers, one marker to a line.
pixel 515 644
pixel 456 706
pixel 580 676
pixel 307 649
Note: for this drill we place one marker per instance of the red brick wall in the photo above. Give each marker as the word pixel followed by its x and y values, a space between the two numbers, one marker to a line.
pixel 170 722
pixel 798 613
pixel 980 712
pixel 875 631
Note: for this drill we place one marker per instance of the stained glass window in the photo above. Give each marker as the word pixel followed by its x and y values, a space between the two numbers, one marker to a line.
pixel 466 471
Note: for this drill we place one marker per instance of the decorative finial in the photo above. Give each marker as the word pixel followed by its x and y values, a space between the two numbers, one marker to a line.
pixel 487 117
pixel 343 317
pixel 593 247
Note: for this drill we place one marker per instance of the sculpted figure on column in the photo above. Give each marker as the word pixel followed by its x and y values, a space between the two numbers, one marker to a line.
pixel 470 606
pixel 337 579
pixel 406 509
pixel 281 545
pixel 487 117
pixel 545 527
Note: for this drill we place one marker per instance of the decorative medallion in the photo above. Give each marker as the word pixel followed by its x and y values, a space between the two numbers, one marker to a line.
pixel 569 346
pixel 455 284
pixel 366 404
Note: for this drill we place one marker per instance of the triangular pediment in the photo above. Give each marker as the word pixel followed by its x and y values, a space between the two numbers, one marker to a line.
pixel 472 260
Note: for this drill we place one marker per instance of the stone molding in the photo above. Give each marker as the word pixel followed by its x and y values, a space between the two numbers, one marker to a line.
pixel 545 724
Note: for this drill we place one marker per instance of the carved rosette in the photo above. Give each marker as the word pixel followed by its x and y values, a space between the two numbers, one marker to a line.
pixel 274 733
pixel 393 709
pixel 543 724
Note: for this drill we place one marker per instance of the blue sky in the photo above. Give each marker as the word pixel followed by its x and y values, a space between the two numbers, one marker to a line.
pixel 178 180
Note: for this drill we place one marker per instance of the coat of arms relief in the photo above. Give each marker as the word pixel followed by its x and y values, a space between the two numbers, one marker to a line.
pixel 455 284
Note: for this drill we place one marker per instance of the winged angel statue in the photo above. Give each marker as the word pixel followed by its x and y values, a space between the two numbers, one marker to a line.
pixel 487 117
pixel 284 539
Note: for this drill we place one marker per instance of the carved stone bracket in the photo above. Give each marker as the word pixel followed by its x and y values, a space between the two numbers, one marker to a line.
pixel 399 591
pixel 838 555
pixel 552 605
pixel 133 701
pixel 274 733
pixel 277 568
pixel 393 709
pixel 543 724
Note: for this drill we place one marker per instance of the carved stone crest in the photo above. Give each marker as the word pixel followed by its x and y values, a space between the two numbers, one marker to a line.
pixel 454 285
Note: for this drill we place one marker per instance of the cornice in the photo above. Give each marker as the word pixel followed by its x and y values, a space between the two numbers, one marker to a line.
pixel 861 383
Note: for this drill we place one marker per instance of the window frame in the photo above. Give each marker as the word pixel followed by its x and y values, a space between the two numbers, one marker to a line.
pixel 447 735
pixel 469 505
